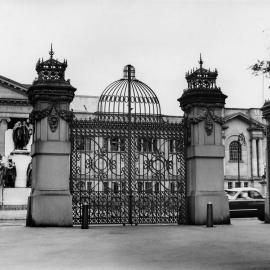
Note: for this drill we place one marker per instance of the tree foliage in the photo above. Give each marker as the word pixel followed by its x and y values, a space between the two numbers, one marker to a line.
pixel 260 67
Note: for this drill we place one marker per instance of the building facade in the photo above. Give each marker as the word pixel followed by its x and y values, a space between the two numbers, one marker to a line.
pixel 243 133
pixel 245 128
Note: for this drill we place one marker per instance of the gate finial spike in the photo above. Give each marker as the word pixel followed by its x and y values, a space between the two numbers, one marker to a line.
pixel 201 61
pixel 132 71
pixel 51 52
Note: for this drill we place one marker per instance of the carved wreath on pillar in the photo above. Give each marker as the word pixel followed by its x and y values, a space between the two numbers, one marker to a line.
pixel 209 118
pixel 53 116
pixel 53 120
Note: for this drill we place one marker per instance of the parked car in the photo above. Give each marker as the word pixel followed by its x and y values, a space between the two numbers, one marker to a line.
pixel 245 202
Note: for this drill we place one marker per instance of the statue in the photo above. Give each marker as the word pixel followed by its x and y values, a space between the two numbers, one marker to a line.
pixel 2 171
pixel 21 134
pixel 10 174
pixel 29 175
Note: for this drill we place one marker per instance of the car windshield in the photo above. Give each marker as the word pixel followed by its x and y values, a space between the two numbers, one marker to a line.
pixel 250 194
pixel 230 193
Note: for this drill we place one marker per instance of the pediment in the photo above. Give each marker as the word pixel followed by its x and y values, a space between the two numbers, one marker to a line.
pixel 11 90
pixel 252 123
pixel 10 93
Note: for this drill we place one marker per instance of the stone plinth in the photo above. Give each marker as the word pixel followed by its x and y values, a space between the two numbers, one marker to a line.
pixel 15 196
pixel 51 202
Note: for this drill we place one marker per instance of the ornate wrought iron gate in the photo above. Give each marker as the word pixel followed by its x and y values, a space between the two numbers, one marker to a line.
pixel 128 172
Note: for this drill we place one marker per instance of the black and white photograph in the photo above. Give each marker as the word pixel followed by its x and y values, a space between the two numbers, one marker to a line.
pixel 134 134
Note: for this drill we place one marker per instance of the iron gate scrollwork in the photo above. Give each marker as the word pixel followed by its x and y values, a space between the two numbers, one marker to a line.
pixel 128 163
pixel 128 178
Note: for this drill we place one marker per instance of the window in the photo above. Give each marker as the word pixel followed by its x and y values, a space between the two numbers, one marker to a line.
pixel 115 187
pixel 250 194
pixel 172 186
pixel 116 144
pixel 230 185
pixel 243 195
pixel 231 193
pixel 140 187
pixel 83 144
pixel 123 187
pixel 245 184
pixel 233 148
pixel 180 187
pixel 106 187
pixel 122 144
pixel 174 146
pixel 255 195
pixel 148 187
pixel 80 144
pixel 105 143
pixel 147 145
pixel 237 184
pixel 88 185
pixel 156 187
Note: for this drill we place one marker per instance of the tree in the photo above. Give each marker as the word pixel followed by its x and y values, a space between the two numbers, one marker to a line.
pixel 261 67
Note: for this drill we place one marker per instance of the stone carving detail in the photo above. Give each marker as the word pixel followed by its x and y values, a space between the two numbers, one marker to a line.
pixel 21 134
pixel 209 118
pixel 53 120
pixel 208 124
pixel 53 115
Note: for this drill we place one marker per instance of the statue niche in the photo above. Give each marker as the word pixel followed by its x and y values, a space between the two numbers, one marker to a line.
pixel 21 134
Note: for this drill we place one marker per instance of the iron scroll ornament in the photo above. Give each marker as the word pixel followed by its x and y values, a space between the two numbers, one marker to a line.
pixel 53 115
pixel 209 117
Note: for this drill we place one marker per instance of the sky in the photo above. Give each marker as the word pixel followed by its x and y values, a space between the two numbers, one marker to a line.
pixel 162 39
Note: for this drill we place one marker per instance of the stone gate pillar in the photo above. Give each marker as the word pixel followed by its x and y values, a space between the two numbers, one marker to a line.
pixel 266 114
pixel 50 203
pixel 202 104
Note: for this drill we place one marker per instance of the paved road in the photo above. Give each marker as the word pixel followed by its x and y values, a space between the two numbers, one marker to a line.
pixel 243 245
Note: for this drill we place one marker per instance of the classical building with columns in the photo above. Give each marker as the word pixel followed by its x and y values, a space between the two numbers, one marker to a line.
pixel 14 107
pixel 244 162
pixel 249 169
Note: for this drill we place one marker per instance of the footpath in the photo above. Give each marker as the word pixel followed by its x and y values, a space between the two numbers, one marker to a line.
pixel 245 245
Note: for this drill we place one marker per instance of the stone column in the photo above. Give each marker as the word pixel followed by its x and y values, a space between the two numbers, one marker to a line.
pixel 3 129
pixel 254 158
pixel 261 166
pixel 266 114
pixel 202 104
pixel 50 203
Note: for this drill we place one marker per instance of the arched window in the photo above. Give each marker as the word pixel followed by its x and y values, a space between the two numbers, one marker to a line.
pixel 234 151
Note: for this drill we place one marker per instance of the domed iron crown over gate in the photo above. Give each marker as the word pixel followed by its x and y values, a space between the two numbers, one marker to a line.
pixel 51 69
pixel 129 96
pixel 51 84
pixel 202 89
pixel 201 78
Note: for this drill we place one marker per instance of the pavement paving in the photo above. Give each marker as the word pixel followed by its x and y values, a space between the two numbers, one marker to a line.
pixel 245 244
